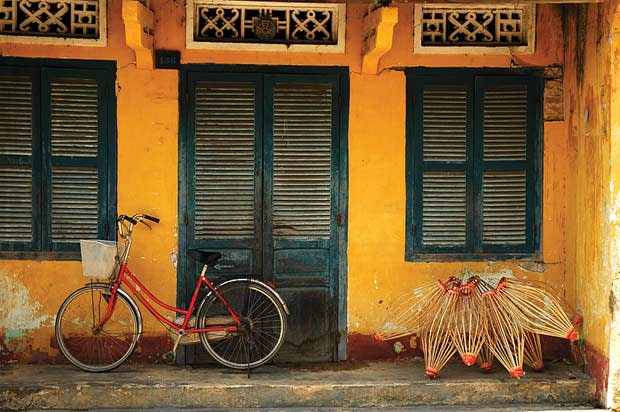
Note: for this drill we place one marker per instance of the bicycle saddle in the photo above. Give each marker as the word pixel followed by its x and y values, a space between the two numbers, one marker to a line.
pixel 204 256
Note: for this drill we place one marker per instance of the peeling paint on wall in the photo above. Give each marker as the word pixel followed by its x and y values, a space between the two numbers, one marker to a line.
pixel 17 313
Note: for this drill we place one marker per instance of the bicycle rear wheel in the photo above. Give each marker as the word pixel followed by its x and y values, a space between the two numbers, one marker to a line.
pixel 103 350
pixel 263 325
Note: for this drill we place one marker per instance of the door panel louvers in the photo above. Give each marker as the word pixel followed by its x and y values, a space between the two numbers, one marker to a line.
pixel 15 204
pixel 224 161
pixel 444 209
pixel 74 204
pixel 445 123
pixel 504 207
pixel 15 140
pixel 302 136
pixel 74 133
pixel 75 117
pixel 505 123
pixel 15 116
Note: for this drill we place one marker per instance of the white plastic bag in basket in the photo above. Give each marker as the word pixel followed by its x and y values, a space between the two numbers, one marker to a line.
pixel 98 258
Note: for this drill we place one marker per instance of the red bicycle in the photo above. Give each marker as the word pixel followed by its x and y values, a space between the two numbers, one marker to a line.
pixel 241 322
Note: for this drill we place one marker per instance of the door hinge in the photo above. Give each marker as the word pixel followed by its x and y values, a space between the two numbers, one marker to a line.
pixel 185 219
pixel 339 219
pixel 413 229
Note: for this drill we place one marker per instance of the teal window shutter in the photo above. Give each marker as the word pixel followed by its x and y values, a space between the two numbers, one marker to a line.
pixel 444 111
pixel 57 155
pixel 224 156
pixel 17 213
pixel 473 164
pixel 506 162
pixel 302 161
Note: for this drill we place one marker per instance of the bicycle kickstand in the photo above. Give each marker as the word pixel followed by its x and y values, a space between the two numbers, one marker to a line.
pixel 172 355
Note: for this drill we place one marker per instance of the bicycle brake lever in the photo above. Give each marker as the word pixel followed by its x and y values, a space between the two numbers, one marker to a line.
pixel 146 224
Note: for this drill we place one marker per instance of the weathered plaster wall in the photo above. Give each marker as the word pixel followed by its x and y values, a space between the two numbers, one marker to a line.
pixel 593 99
pixel 377 269
pixel 148 172
pixel 147 103
pixel 613 397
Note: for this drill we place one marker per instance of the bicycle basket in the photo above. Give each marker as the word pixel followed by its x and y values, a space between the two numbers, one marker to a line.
pixel 98 258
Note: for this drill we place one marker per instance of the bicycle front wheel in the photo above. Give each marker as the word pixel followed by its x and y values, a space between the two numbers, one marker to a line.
pixel 262 331
pixel 102 350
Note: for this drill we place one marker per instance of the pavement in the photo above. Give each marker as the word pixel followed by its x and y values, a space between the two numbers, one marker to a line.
pixel 398 386
pixel 513 408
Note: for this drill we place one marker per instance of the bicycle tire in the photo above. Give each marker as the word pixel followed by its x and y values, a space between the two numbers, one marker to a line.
pixel 261 312
pixel 107 349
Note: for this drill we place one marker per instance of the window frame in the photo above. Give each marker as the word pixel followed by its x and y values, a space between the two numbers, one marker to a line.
pixel 473 79
pixel 42 71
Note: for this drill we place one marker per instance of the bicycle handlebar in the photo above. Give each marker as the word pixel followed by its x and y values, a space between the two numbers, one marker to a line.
pixel 151 218
pixel 129 219
pixel 125 231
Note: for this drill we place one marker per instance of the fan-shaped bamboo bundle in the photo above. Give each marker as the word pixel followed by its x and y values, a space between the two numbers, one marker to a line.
pixel 436 343
pixel 467 327
pixel 485 358
pixel 532 352
pixel 539 311
pixel 406 313
pixel 573 315
pixel 503 332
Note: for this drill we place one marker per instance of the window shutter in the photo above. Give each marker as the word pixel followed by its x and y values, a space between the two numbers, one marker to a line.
pixel 505 125
pixel 302 138
pixel 444 186
pixel 74 131
pixel 16 210
pixel 224 129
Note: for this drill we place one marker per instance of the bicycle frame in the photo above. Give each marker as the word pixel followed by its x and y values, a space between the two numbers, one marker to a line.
pixel 126 277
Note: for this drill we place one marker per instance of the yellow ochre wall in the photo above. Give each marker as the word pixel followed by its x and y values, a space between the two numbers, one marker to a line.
pixel 147 111
pixel 593 250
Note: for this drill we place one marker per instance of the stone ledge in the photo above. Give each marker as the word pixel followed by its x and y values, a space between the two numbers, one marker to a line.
pixel 388 384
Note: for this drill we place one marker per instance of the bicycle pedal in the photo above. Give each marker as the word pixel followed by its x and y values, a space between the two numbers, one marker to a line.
pixel 169 357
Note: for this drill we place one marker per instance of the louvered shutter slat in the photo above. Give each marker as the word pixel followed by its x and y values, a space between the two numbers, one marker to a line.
pixel 445 123
pixel 16 116
pixel 224 161
pixel 74 133
pixel 302 135
pixel 504 204
pixel 444 209
pixel 15 204
pixel 75 117
pixel 505 123
pixel 74 204
pixel 15 140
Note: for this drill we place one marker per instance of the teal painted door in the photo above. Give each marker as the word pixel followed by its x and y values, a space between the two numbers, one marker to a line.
pixel 262 188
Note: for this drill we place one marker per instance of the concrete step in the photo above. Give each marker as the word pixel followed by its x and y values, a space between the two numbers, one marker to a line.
pixel 504 408
pixel 343 385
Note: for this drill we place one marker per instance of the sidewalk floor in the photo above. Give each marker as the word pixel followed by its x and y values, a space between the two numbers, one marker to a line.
pixel 398 384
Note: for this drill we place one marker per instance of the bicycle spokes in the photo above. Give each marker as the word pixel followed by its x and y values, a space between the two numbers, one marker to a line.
pixel 92 337
pixel 261 331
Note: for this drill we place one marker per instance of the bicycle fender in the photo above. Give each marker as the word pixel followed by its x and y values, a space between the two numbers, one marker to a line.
pixel 132 302
pixel 263 284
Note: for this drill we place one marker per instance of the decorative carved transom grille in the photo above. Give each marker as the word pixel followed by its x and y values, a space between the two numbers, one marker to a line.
pixel 265 23
pixel 52 18
pixel 475 26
